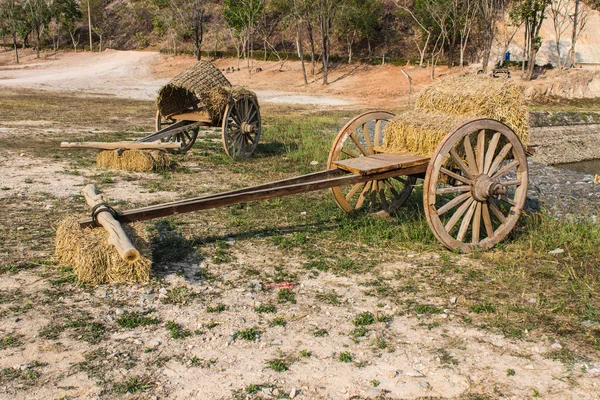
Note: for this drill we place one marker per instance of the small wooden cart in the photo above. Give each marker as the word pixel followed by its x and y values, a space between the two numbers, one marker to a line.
pixel 474 191
pixel 185 104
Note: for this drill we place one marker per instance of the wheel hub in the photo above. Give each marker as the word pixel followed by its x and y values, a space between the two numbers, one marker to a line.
pixel 484 187
pixel 248 128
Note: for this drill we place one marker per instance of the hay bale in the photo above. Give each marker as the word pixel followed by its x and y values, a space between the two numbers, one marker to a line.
pixel 134 160
pixel 217 99
pixel 95 261
pixel 189 87
pixel 419 132
pixel 476 96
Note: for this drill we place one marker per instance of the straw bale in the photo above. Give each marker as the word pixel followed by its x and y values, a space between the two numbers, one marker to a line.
pixel 95 261
pixel 419 132
pixel 134 160
pixel 218 98
pixel 477 96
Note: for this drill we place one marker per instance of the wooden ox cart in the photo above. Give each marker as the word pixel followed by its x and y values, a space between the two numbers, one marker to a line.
pixel 201 96
pixel 474 192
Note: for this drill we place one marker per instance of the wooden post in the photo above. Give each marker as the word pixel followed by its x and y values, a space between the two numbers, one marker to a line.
pixel 122 145
pixel 116 235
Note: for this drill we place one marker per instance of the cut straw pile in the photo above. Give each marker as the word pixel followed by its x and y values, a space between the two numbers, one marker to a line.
pixel 445 105
pixel 134 160
pixel 217 99
pixel 95 261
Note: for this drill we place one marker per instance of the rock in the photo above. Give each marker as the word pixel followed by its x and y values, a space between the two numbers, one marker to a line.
pixel 137 341
pixel 230 240
pixel 20 228
pixel 103 294
pixel 152 344
pixel 393 374
pixel 372 393
pixel 293 393
pixel 556 251
pixel 594 371
pixel 452 300
pixel 529 366
pixel 163 291
pixel 16 319
pixel 119 311
pixel 424 385
pixel 414 373
pixel 277 342
pixel 556 346
pixel 22 155
pixel 314 163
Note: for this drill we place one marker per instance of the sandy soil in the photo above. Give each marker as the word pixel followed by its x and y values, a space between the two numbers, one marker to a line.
pixel 424 355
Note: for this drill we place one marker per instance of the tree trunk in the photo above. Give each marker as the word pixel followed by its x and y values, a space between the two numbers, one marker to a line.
pixel 311 39
pixel 90 25
pixel 300 51
pixel 574 35
pixel 16 48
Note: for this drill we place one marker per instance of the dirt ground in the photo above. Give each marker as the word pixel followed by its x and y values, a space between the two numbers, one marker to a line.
pixel 232 334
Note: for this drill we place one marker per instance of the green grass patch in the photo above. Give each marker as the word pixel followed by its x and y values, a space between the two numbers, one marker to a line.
pixel 134 319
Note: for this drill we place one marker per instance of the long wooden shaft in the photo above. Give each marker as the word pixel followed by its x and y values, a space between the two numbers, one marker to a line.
pixel 170 130
pixel 317 181
pixel 121 145
pixel 116 235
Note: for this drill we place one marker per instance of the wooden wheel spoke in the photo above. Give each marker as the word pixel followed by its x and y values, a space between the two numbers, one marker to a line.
pixel 384 200
pixel 359 145
pixel 392 189
pixel 496 211
pixel 499 158
pixel 470 155
pixel 508 200
pixel 464 226
pixel 458 214
pixel 350 153
pixel 453 203
pixel 511 183
pixel 489 156
pixel 251 117
pixel 355 190
pixel 476 224
pixel 401 180
pixel 368 139
pixel 480 150
pixel 487 220
pixel 455 176
pixel 460 164
pixel 453 189
pixel 250 138
pixel 361 198
pixel 505 170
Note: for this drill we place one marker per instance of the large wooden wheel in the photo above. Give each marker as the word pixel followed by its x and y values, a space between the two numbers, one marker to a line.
pixel 186 138
pixel 476 185
pixel 241 127
pixel 360 137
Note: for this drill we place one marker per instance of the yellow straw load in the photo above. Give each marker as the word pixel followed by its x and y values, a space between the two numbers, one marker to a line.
pixel 134 160
pixel 445 105
pixel 95 261
pixel 217 99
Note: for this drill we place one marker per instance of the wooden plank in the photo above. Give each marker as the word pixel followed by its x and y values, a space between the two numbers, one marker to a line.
pixel 382 162
pixel 121 145
pixel 198 116
pixel 318 181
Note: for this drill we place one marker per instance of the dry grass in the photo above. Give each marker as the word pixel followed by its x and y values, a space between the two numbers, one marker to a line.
pixel 95 261
pixel 218 98
pixel 134 160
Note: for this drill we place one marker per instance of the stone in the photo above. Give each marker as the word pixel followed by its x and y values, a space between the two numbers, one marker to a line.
pixel 556 251
pixel 119 311
pixel 163 291
pixel 452 300
pixel 314 163
pixel 414 373
pixel 556 346
pixel 293 393
pixel 372 393
pixel 423 385
pixel 152 344
pixel 277 342
pixel 393 374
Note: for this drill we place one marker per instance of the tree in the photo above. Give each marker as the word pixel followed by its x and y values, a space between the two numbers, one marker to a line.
pixel 327 10
pixel 358 20
pixel 580 16
pixel 242 16
pixel 38 14
pixel 65 13
pixel 532 14
pixel 489 12
pixel 559 13
pixel 190 16
pixel 13 15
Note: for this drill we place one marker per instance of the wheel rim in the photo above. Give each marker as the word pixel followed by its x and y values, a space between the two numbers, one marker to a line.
pixel 186 138
pixel 241 128
pixel 360 137
pixel 476 185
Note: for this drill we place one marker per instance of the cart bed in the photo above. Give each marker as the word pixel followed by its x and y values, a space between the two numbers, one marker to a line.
pixel 381 162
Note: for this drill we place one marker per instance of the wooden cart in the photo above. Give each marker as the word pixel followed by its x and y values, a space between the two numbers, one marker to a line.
pixel 184 106
pixel 474 190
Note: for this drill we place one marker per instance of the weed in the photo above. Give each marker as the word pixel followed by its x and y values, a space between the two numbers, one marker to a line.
pixel 483 307
pixel 358 332
pixel 380 342
pixel 247 334
pixel 278 321
pixel 278 364
pixel 329 297
pixel 134 384
pixel 320 332
pixel 305 353
pixel 427 309
pixel 446 358
pixel 220 307
pixel 510 372
pixel 345 356
pixel 364 318
pixel 252 388
pixel 10 341
pixel 375 382
pixel 286 296
pixel 266 308
pixel 134 319
pixel 178 295
pixel 177 331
